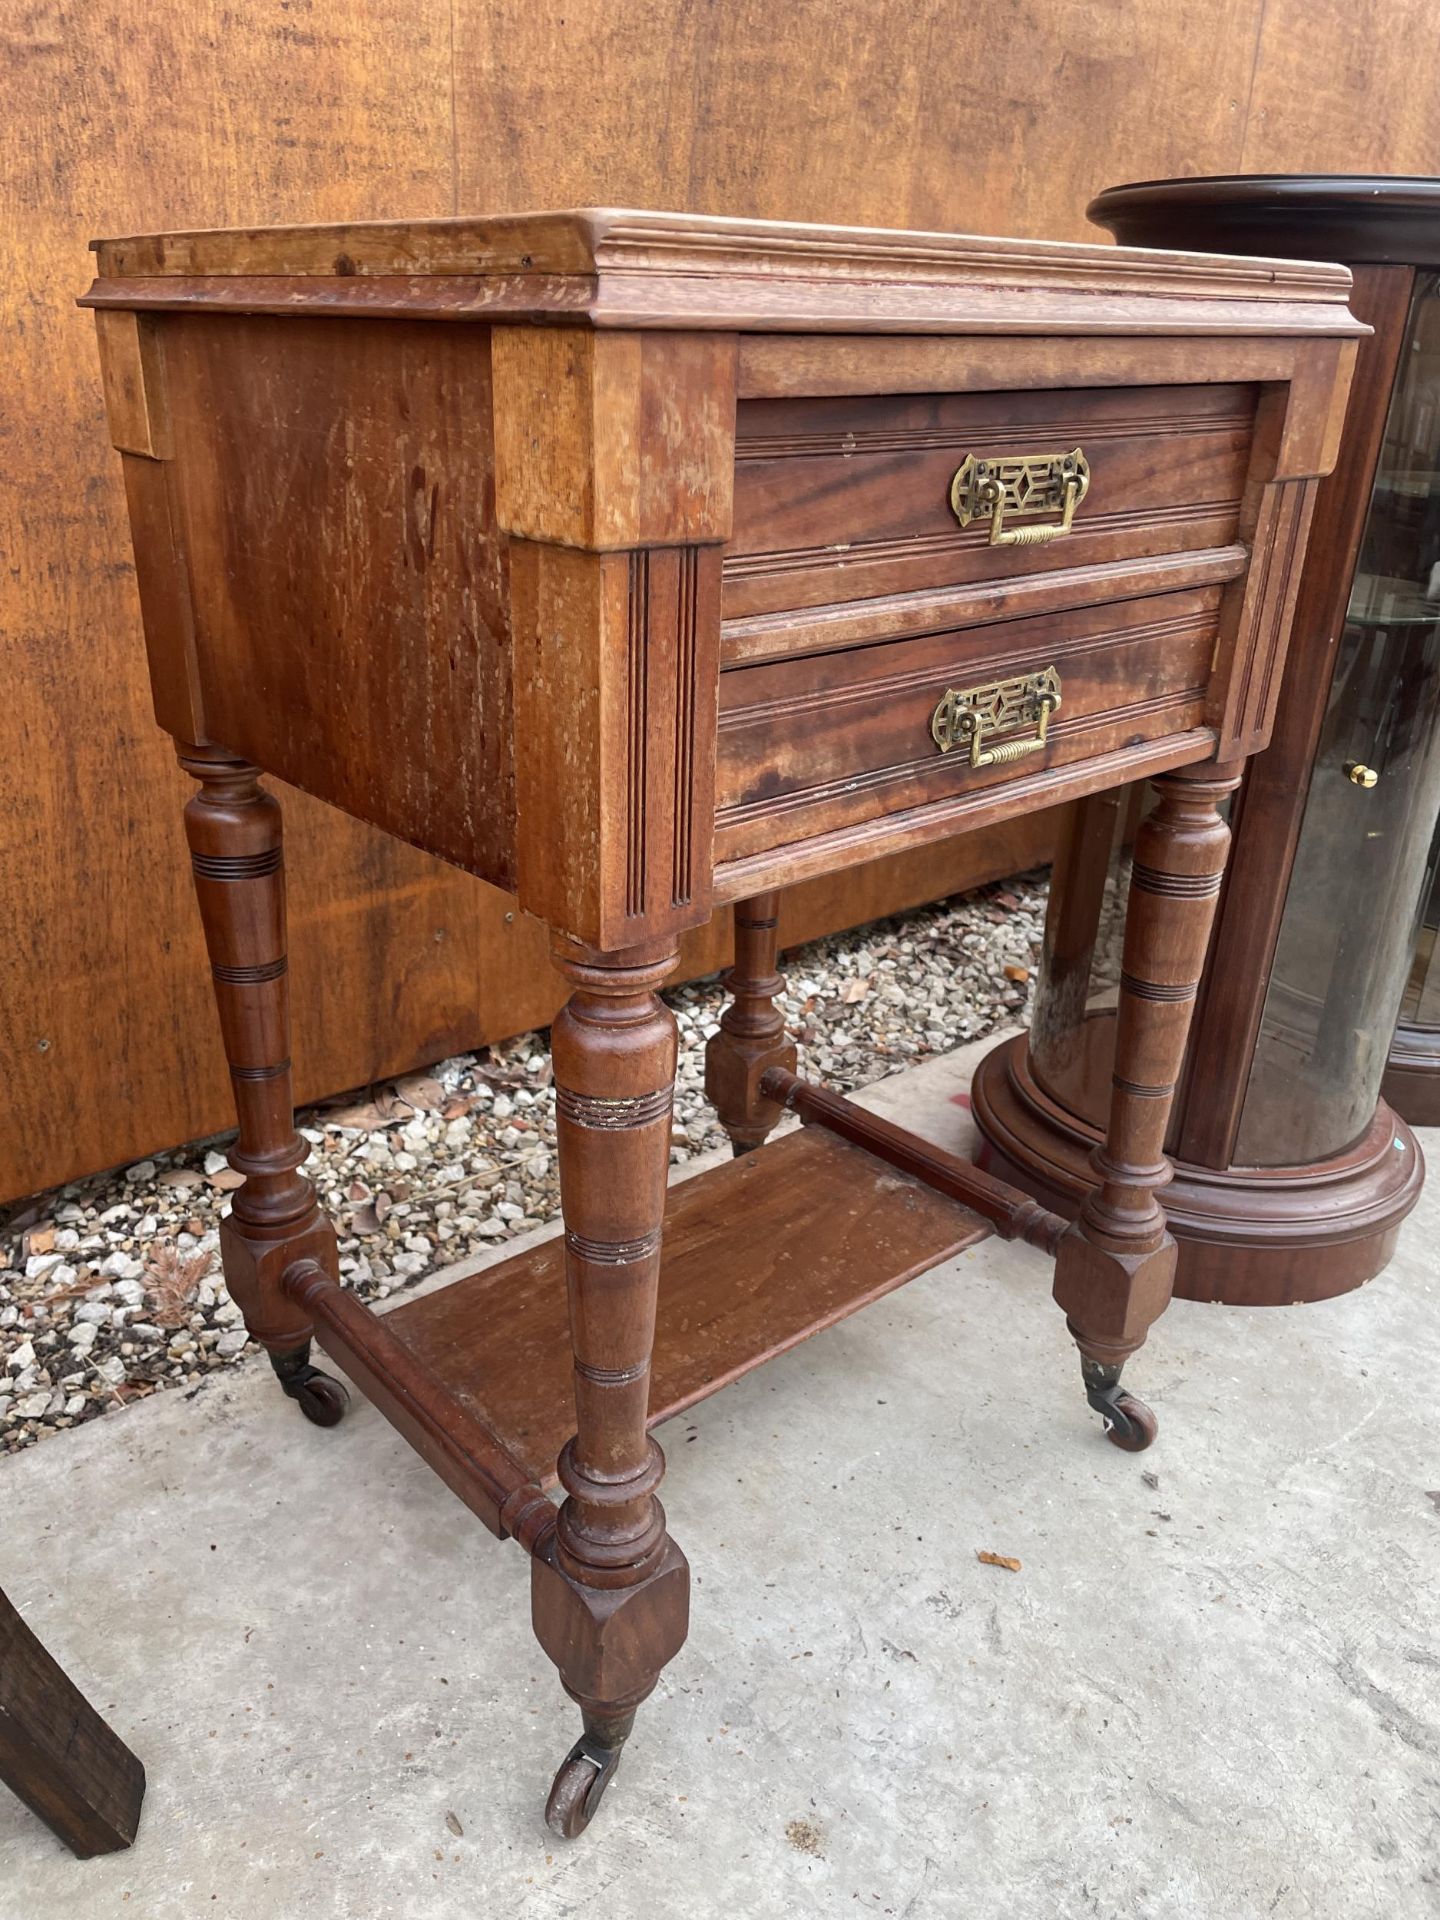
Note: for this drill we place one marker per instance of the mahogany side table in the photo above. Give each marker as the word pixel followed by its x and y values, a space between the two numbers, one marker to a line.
pixel 1292 1173
pixel 638 562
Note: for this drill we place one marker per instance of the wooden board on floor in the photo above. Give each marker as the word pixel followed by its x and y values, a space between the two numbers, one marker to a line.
pixel 57 1754
pixel 759 1253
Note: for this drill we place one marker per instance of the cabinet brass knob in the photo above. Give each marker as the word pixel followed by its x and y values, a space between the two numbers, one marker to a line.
pixel 1360 775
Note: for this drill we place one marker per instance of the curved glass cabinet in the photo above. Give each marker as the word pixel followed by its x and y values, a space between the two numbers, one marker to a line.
pixel 1353 911
pixel 1292 1173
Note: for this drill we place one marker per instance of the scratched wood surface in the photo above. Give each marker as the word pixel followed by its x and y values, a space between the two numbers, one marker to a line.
pixel 133 118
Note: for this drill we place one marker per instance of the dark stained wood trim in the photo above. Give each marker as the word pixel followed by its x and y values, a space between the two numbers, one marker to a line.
pixel 1362 219
pixel 1013 1214
pixel 1271 804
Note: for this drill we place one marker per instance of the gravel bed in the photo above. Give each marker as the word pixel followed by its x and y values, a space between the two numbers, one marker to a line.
pixel 110 1288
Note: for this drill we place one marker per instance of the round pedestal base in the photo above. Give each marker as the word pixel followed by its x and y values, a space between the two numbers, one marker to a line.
pixel 1248 1236
pixel 1412 1079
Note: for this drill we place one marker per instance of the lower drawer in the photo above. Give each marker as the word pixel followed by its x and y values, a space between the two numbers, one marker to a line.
pixel 814 744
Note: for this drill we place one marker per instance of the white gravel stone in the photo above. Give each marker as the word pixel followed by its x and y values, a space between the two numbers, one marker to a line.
pixel 181 1178
pixel 228 1345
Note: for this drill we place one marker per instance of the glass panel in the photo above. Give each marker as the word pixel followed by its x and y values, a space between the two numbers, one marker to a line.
pixel 1420 1006
pixel 1347 939
pixel 1072 1025
pixel 1072 1022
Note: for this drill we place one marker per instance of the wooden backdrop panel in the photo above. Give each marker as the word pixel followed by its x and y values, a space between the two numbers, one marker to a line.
pixel 873 112
pixel 134 116
pixel 1348 88
pixel 137 115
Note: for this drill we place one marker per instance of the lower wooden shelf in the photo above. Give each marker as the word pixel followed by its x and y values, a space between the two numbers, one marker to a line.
pixel 759 1254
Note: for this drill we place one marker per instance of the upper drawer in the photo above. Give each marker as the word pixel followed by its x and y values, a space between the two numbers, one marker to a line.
pixel 842 499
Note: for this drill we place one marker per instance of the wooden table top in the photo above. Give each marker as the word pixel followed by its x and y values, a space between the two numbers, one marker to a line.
pixel 621 268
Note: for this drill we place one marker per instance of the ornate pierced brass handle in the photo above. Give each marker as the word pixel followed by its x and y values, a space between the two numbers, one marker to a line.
pixel 968 716
pixel 1039 483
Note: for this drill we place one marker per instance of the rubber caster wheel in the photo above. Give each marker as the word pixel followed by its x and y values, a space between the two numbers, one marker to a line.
pixel 323 1401
pixel 1130 1424
pixel 579 1787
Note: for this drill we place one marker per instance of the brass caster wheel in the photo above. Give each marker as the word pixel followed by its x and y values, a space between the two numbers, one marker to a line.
pixel 1130 1424
pixel 579 1787
pixel 323 1401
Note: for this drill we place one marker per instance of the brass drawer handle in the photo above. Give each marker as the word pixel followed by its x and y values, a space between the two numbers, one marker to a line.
pixel 1040 483
pixel 967 716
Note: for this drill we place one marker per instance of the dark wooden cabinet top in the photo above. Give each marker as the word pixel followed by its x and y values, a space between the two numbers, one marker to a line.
pixel 1369 219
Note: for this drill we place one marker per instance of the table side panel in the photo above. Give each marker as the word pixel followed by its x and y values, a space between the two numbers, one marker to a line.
pixel 350 590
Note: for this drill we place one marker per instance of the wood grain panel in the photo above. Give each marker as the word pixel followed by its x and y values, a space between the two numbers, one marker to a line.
pixel 406 635
pixel 118 117
pixel 921 115
pixel 797 760
pixel 758 1254
pixel 1341 88
pixel 839 498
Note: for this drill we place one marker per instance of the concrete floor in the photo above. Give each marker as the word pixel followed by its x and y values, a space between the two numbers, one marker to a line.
pixel 1209 1699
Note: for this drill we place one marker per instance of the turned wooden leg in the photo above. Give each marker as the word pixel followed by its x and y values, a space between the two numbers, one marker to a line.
pixel 752 1036
pixel 610 1591
pixel 234 829
pixel 57 1754
pixel 1116 1264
